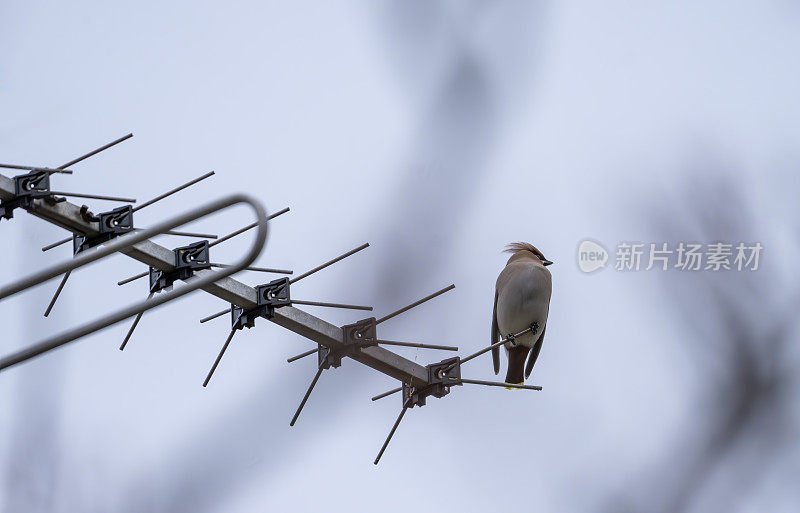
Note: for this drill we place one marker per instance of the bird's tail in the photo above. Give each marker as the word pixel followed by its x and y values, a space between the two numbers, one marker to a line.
pixel 516 364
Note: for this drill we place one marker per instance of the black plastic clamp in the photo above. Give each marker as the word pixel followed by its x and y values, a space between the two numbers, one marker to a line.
pixel 269 296
pixel 354 337
pixel 360 334
pixel 27 188
pixel 328 357
pixel 188 259
pixel 112 224
pixel 441 376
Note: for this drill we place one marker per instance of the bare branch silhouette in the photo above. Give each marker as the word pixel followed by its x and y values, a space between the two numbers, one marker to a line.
pixel 741 329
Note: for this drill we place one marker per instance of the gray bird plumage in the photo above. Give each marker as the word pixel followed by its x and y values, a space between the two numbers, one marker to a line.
pixel 521 300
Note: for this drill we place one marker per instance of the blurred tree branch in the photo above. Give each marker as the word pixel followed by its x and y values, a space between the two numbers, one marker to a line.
pixel 744 328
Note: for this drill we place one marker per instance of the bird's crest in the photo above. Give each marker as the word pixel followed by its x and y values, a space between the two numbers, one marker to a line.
pixel 522 246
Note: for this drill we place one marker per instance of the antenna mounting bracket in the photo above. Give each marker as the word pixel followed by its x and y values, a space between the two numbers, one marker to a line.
pixel 112 224
pixel 188 259
pixel 441 376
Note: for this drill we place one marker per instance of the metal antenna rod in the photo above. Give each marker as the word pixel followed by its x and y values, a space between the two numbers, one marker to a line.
pixel 415 303
pixel 169 232
pixel 304 275
pixel 391 433
pixel 133 278
pixel 173 191
pixel 146 253
pixel 36 168
pixel 145 204
pixel 331 305
pixel 219 356
pixel 92 196
pixel 133 326
pixel 301 355
pixel 379 342
pixel 188 234
pixel 293 301
pixel 62 168
pixel 213 316
pixel 221 239
pixel 468 358
pixel 259 269
pixel 248 227
pixel 328 263
pixel 415 344
pixel 489 348
pixel 95 152
pixel 498 384
pixel 56 244
pixel 305 397
pixel 469 381
pixel 58 291
pixel 388 393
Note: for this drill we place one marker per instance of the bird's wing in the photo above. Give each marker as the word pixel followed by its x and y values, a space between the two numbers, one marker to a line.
pixel 534 354
pixel 495 337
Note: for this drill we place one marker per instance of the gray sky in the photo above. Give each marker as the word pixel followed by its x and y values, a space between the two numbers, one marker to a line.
pixel 438 132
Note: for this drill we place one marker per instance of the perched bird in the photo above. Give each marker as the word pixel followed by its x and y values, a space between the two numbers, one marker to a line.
pixel 521 301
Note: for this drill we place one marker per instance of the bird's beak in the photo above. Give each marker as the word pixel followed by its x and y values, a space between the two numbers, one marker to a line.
pixel 546 262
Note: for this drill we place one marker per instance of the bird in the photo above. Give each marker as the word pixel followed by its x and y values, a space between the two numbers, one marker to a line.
pixel 521 302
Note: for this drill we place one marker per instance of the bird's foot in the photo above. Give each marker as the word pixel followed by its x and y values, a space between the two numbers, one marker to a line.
pixel 534 327
pixel 512 340
pixel 514 388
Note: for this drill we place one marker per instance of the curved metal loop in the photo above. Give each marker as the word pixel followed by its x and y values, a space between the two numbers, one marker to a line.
pixel 202 279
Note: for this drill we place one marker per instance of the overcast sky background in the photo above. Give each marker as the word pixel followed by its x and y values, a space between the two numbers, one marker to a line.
pixel 438 132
